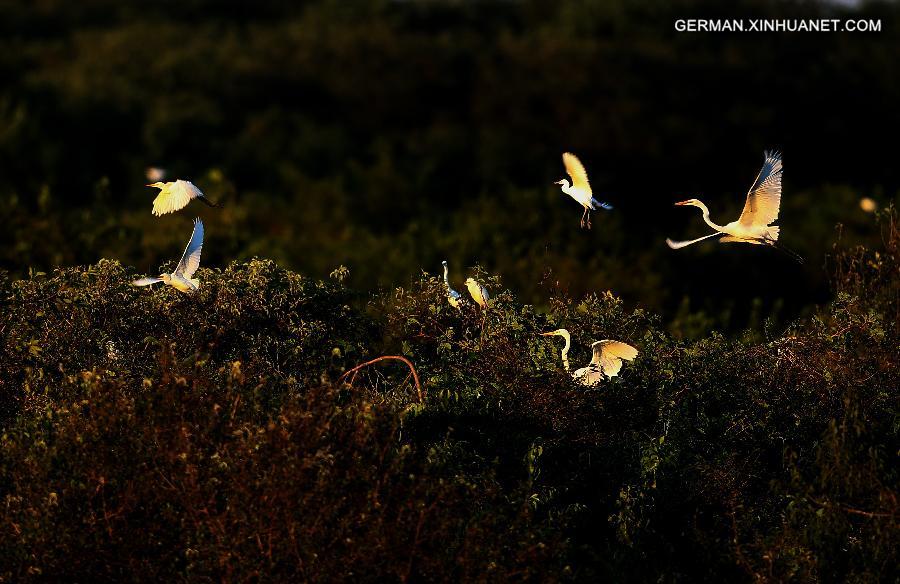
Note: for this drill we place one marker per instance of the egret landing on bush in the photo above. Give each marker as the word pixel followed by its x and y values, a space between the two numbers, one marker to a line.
pixel 478 292
pixel 607 359
pixel 453 297
pixel 760 211
pixel 182 278
pixel 580 190
pixel 174 196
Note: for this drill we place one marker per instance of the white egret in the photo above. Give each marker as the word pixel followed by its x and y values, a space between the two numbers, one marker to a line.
pixel 174 196
pixel 580 189
pixel 453 297
pixel 607 360
pixel 478 292
pixel 182 278
pixel 754 226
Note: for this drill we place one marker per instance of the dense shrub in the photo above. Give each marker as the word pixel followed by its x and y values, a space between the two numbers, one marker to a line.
pixel 151 435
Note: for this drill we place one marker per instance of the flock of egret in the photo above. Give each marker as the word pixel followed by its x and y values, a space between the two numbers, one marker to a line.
pixel 754 226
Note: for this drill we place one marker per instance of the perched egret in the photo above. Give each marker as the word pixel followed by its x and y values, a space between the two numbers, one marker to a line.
pixel 182 278
pixel 760 211
pixel 478 292
pixel 607 359
pixel 580 189
pixel 453 297
pixel 174 196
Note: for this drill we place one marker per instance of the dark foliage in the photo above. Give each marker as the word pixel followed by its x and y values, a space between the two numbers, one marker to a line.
pixel 153 436
pixel 388 135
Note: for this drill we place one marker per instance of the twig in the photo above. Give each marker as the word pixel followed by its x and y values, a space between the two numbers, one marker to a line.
pixel 408 363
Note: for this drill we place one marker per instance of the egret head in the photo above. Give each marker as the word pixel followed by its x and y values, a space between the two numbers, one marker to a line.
pixel 557 333
pixel 471 282
pixel 166 278
pixel 562 182
pixel 690 203
pixel 444 263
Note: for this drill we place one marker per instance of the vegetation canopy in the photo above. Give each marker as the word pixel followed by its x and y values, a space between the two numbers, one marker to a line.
pixel 149 435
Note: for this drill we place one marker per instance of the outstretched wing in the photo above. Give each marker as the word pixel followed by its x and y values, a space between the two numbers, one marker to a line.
pixel 146 281
pixel 190 261
pixel 576 170
pixel 174 196
pixel 764 197
pixel 608 355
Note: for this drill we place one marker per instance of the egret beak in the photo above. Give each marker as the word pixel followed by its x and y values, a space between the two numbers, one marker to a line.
pixel 559 182
pixel 682 203
pixel 548 334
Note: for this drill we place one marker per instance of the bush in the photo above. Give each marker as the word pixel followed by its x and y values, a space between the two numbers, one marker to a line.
pixel 149 435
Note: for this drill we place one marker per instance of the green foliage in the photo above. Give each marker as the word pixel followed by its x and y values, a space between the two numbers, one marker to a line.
pixel 150 435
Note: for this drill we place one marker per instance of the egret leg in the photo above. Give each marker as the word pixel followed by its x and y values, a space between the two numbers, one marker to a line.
pixel 588 213
pixel 583 217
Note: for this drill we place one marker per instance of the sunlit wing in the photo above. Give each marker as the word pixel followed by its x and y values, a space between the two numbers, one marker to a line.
pixel 576 170
pixel 174 196
pixel 608 355
pixel 764 197
pixel 679 244
pixel 190 261
pixel 589 375
pixel 146 281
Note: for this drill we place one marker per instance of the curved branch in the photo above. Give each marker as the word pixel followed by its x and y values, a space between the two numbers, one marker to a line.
pixel 412 369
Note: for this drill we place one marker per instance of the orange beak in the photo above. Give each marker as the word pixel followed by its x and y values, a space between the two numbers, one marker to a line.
pixel 682 203
pixel 546 334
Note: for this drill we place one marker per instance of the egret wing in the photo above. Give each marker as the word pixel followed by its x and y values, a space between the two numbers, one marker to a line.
pixel 174 196
pixel 146 281
pixel 764 197
pixel 589 375
pixel 190 261
pixel 608 355
pixel 576 170
pixel 679 244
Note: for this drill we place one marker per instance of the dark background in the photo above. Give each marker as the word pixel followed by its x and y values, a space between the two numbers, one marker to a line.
pixel 387 136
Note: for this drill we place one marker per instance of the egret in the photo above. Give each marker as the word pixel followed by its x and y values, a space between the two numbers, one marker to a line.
pixel 754 226
pixel 478 292
pixel 453 297
pixel 580 189
pixel 174 196
pixel 182 278
pixel 607 360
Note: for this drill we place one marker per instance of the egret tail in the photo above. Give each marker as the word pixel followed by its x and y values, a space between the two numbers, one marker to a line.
pixel 595 204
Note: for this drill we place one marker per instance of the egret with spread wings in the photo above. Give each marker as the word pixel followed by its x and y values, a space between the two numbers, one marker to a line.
pixel 182 279
pixel 606 361
pixel 580 189
pixel 174 196
pixel 754 226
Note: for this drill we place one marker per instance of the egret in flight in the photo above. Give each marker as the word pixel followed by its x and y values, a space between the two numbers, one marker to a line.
pixel 478 292
pixel 580 189
pixel 174 196
pixel 453 297
pixel 607 360
pixel 182 278
pixel 760 211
